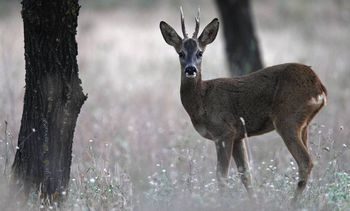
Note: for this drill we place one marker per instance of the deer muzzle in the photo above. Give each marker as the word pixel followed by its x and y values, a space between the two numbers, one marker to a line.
pixel 190 71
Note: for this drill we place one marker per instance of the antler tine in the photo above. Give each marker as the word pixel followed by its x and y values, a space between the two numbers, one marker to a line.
pixel 195 34
pixel 183 23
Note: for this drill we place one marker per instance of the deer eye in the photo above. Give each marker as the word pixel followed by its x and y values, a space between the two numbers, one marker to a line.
pixel 199 54
pixel 181 54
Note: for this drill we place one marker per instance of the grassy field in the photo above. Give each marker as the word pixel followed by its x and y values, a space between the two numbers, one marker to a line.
pixel 135 147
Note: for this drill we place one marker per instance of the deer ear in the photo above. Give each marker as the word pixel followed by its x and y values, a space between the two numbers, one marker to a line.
pixel 209 33
pixel 170 36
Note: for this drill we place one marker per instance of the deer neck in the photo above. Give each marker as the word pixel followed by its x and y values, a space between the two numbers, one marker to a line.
pixel 191 97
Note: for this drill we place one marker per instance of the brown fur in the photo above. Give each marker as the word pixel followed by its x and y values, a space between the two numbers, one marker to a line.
pixel 284 98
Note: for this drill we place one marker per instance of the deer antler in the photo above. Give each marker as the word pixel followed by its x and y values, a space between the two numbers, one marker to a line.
pixel 195 34
pixel 183 23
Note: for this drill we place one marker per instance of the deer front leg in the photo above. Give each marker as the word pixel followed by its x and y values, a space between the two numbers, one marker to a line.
pixel 224 150
pixel 240 155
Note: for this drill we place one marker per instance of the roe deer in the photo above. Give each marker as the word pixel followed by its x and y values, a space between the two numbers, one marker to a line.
pixel 284 98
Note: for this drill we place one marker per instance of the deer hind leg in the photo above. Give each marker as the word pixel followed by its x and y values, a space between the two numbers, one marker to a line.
pixel 304 136
pixel 291 134
pixel 224 150
pixel 304 131
pixel 240 155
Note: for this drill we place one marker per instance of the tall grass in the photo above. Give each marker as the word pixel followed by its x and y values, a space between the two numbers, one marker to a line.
pixel 135 147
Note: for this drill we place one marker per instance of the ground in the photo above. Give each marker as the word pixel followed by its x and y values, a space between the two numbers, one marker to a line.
pixel 135 147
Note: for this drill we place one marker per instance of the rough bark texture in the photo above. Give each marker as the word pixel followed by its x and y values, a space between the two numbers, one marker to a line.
pixel 53 97
pixel 242 48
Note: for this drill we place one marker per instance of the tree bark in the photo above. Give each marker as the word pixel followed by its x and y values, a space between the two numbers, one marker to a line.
pixel 242 49
pixel 53 97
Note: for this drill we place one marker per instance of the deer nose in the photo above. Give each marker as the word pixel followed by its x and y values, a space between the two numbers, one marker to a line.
pixel 190 71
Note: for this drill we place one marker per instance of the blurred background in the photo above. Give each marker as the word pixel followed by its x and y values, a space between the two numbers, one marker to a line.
pixel 135 147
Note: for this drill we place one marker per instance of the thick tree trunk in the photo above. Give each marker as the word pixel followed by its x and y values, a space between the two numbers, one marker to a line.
pixel 242 47
pixel 53 97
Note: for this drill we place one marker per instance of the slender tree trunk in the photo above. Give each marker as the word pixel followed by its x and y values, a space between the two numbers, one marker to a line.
pixel 53 97
pixel 242 49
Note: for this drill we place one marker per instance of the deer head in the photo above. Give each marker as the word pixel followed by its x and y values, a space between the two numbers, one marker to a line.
pixel 190 50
